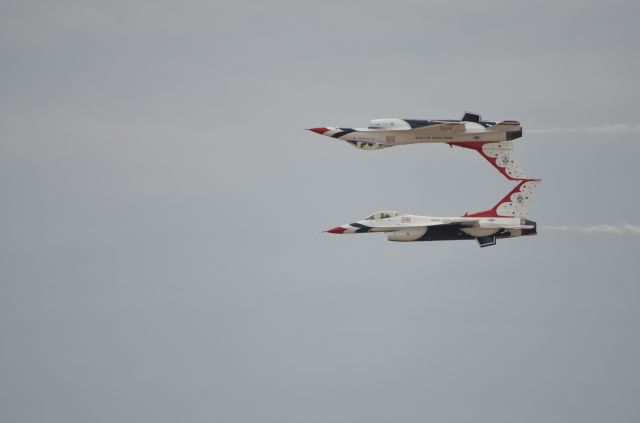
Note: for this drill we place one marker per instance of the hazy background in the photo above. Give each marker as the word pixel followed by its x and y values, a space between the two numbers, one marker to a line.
pixel 161 248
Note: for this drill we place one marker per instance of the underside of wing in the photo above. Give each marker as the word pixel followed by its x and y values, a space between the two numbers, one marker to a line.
pixel 435 231
pixel 499 154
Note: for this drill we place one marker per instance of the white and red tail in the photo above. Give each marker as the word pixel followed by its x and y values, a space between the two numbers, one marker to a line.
pixel 499 154
pixel 514 204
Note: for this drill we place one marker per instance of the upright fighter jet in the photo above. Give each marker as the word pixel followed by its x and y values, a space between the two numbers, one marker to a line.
pixel 491 139
pixel 507 219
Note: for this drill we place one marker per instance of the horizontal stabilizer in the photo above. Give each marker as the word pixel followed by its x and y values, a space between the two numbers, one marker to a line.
pixel 511 127
pixel 505 125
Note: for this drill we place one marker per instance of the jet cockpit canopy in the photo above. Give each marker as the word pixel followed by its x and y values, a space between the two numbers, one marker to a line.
pixel 383 215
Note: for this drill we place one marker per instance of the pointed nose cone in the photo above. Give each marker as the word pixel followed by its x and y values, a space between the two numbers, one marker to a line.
pixel 318 130
pixel 336 230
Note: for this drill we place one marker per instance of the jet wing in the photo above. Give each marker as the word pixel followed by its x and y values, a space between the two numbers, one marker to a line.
pixel 499 154
pixel 430 231
pixel 469 223
pixel 442 128
pixel 453 223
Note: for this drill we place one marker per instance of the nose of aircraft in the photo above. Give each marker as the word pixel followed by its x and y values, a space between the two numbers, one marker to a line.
pixel 336 230
pixel 318 130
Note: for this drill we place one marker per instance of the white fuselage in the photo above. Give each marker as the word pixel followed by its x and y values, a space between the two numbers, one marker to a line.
pixel 409 227
pixel 401 136
pixel 411 220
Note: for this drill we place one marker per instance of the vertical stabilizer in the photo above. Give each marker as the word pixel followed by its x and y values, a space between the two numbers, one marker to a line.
pixel 499 154
pixel 514 204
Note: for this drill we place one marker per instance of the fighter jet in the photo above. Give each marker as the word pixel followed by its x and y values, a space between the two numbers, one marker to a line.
pixel 491 139
pixel 507 219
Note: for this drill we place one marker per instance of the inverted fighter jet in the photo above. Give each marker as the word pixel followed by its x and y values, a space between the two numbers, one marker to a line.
pixel 491 139
pixel 507 219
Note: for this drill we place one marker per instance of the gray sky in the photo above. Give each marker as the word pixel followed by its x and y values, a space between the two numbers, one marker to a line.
pixel 161 253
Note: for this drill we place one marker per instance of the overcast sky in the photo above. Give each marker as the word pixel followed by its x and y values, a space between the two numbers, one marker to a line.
pixel 161 249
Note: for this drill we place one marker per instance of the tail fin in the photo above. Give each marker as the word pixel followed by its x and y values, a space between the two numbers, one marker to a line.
pixel 499 154
pixel 515 204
